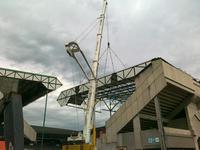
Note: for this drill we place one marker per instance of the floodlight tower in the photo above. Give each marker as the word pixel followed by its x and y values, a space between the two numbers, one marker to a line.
pixel 73 48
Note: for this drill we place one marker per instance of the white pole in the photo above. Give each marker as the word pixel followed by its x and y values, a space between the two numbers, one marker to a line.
pixel 92 88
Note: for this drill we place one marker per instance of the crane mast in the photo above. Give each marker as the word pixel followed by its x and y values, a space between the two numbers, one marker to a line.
pixel 90 111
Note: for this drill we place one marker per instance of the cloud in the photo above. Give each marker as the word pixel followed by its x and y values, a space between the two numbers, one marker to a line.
pixel 33 34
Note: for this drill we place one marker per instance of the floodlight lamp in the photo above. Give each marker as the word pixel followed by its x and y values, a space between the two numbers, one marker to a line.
pixel 72 48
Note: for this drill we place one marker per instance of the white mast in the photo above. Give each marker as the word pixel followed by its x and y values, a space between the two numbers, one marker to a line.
pixel 90 112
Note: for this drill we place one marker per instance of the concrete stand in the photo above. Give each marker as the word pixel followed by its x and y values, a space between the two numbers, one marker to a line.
pixel 13 121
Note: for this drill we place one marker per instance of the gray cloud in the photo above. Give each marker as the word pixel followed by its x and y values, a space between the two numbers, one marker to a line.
pixel 33 34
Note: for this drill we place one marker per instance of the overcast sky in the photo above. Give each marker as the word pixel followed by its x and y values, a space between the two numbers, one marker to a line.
pixel 33 34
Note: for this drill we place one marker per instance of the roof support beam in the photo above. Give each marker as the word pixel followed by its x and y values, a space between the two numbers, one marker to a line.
pixel 153 118
pixel 180 107
pixel 160 124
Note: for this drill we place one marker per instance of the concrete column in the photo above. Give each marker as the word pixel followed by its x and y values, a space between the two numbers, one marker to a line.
pixel 13 121
pixel 137 132
pixel 119 139
pixel 196 143
pixel 1 95
pixel 160 124
pixel 193 123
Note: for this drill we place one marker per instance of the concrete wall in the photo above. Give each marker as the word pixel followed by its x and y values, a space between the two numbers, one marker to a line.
pixel 175 138
pixel 185 81
pixel 126 139
pixel 180 123
pixel 197 93
pixel 29 132
pixel 123 139
pixel 104 146
pixel 194 117
pixel 8 85
pixel 178 77
pixel 148 84
pixel 150 134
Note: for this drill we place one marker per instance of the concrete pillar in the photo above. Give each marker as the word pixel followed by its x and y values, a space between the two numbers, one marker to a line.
pixel 13 121
pixel 119 139
pixel 193 123
pixel 196 143
pixel 137 132
pixel 160 124
pixel 1 95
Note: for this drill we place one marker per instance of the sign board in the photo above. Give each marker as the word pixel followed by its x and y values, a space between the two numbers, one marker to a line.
pixel 2 145
pixel 153 140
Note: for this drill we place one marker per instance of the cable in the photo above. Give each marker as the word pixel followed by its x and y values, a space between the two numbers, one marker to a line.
pixel 87 33
pixel 86 29
pixel 102 54
pixel 100 58
pixel 112 60
pixel 105 66
pixel 118 58
pixel 73 80
pixel 108 42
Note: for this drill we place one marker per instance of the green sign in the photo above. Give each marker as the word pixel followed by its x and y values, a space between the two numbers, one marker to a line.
pixel 153 140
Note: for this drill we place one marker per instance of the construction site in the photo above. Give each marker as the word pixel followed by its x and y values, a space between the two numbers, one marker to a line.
pixel 152 105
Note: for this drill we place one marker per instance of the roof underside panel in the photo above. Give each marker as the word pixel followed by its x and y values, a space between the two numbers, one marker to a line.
pixel 170 99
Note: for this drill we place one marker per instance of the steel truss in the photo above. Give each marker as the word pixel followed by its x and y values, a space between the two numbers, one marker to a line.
pixel 116 87
pixel 50 82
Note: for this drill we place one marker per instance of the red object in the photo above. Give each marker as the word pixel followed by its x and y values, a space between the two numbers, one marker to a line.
pixel 2 145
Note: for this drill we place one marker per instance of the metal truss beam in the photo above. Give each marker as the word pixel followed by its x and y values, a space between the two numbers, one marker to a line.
pixel 116 86
pixel 51 83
